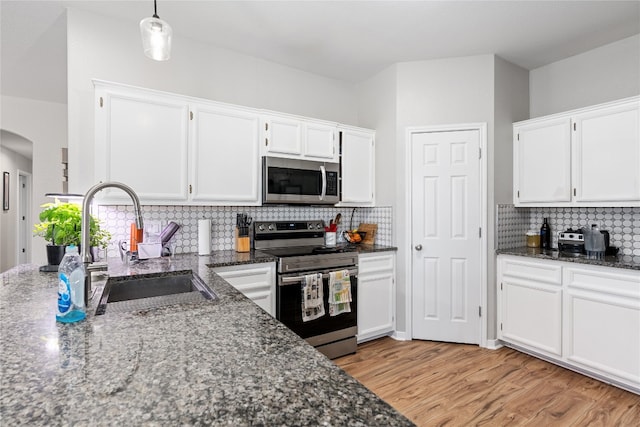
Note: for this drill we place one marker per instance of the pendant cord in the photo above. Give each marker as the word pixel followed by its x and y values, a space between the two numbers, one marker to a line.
pixel 155 10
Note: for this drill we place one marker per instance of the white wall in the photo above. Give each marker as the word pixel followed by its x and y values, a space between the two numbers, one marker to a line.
pixel 104 48
pixel 604 74
pixel 11 162
pixel 511 104
pixel 438 92
pixel 377 110
pixel 45 125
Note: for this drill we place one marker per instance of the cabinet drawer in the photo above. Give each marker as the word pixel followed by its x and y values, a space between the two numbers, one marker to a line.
pixel 375 263
pixel 247 278
pixel 540 271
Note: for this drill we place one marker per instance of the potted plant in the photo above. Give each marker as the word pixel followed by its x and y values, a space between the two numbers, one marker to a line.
pixel 61 226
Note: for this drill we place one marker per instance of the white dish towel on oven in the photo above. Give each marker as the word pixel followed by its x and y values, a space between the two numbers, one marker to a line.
pixel 312 297
pixel 339 292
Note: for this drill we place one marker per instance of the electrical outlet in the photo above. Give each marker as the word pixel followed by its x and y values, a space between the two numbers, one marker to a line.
pixel 152 227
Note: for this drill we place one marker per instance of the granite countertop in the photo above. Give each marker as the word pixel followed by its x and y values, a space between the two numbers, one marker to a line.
pixel 617 261
pixel 225 362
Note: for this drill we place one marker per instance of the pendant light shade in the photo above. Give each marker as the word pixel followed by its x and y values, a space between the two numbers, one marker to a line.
pixel 156 37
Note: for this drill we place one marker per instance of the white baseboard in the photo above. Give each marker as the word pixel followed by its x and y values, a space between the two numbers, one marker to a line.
pixel 494 344
pixel 400 336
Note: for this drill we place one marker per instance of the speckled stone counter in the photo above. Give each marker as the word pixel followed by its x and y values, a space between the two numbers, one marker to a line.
pixel 207 363
pixel 619 261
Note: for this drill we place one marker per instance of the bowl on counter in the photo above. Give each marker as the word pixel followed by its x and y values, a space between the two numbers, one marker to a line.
pixel 354 237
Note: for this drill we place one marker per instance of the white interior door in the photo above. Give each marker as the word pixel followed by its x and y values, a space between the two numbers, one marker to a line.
pixel 446 219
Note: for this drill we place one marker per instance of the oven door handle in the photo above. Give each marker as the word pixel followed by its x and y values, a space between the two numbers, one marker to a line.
pixel 323 172
pixel 284 281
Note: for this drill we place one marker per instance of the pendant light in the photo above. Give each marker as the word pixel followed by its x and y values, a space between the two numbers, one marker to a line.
pixel 156 36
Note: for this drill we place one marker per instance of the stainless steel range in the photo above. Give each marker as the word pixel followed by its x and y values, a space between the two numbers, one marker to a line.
pixel 300 251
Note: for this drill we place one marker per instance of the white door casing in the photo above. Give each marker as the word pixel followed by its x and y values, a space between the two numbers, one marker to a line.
pixel 446 217
pixel 24 214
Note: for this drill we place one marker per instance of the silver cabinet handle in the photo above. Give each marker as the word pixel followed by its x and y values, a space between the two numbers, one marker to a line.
pixel 418 247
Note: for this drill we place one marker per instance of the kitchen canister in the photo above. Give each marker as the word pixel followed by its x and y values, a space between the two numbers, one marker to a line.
pixel 204 237
pixel 533 239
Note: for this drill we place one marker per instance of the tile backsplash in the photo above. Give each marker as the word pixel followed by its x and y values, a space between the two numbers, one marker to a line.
pixel 117 220
pixel 623 224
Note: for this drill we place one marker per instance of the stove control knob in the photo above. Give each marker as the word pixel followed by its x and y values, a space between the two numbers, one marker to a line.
pixel 310 226
pixel 261 227
pixel 271 227
pixel 318 226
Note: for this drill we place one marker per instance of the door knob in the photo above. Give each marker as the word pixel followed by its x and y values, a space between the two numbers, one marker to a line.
pixel 418 247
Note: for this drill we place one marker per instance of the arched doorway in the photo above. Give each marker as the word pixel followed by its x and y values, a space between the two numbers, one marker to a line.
pixel 16 163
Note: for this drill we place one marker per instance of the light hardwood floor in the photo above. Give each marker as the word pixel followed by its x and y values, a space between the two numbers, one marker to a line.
pixel 438 384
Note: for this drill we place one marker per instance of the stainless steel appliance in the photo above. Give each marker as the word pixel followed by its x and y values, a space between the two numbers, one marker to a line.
pixel 571 242
pixel 298 246
pixel 290 181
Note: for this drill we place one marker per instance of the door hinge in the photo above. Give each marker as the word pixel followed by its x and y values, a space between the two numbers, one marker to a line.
pixel 518 194
pixel 479 153
pixel 479 311
pixel 266 126
pixel 101 102
pixel 190 189
pixel 190 115
pixel 500 326
pixel 500 285
pixel 23 250
pixel 266 141
pixel 518 137
pixel 574 191
pixel 574 126
pixel 480 232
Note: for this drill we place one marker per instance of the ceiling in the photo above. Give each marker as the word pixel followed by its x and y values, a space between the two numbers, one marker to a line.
pixel 345 40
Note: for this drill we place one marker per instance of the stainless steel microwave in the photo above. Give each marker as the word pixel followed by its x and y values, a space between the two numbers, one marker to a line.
pixel 291 181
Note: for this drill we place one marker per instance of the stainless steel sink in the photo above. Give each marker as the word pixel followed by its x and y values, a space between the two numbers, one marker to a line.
pixel 150 291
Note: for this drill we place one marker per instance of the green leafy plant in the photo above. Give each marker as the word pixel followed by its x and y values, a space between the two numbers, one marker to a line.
pixel 61 225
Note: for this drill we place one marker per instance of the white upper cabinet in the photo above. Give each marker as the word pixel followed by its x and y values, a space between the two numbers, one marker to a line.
pixel 586 157
pixel 357 167
pixel 172 149
pixel 606 157
pixel 542 155
pixel 225 155
pixel 297 138
pixel 142 141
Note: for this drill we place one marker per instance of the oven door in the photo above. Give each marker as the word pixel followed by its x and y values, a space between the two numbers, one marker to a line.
pixel 299 181
pixel 289 307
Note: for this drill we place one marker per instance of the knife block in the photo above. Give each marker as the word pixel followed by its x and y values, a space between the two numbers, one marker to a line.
pixel 243 243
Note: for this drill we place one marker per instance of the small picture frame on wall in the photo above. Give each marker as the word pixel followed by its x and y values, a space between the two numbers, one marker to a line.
pixel 5 191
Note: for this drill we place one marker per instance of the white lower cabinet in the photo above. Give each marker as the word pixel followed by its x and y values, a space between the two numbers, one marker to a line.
pixel 602 322
pixel 531 305
pixel 583 317
pixel 256 281
pixel 376 295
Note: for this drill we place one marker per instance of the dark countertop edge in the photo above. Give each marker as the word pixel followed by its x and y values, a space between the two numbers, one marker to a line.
pixel 554 255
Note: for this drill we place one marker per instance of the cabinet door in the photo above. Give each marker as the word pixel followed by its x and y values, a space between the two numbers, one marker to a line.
pixel 606 154
pixel 602 322
pixel 376 295
pixel 320 142
pixel 224 155
pixel 357 168
pixel 141 141
pixel 530 305
pixel 283 136
pixel 542 162
pixel 256 281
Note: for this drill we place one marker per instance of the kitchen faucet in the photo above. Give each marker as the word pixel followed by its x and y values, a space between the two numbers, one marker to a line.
pixel 86 215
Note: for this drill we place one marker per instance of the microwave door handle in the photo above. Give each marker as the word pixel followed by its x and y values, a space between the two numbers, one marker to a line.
pixel 323 172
